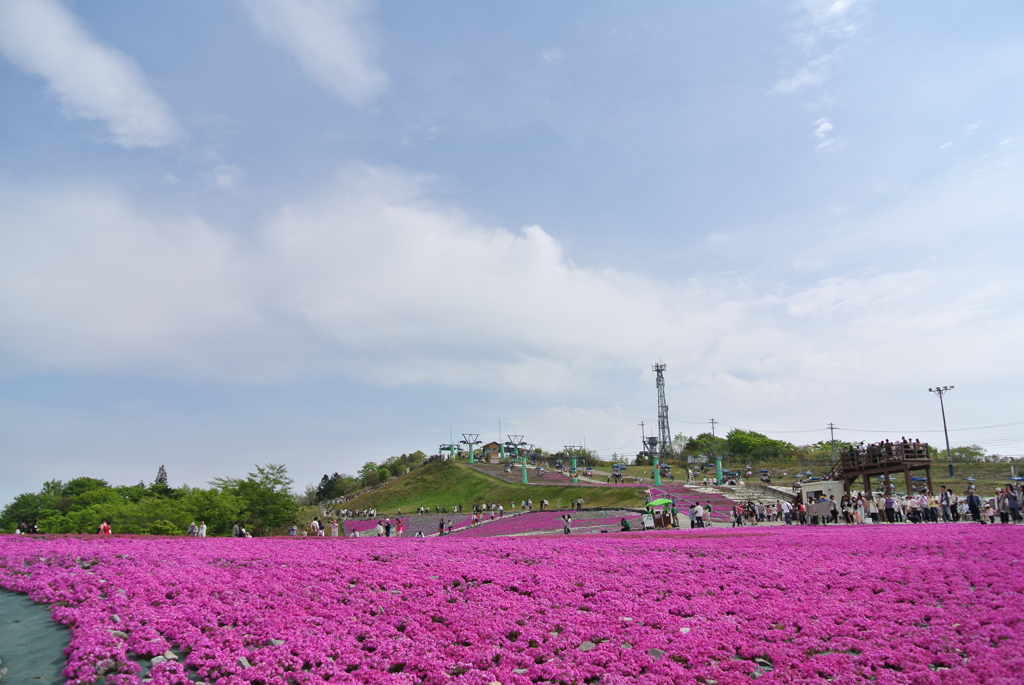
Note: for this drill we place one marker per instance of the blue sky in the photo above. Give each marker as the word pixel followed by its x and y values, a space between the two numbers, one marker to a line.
pixel 320 233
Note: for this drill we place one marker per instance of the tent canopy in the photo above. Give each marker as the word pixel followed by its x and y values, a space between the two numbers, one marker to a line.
pixel 659 502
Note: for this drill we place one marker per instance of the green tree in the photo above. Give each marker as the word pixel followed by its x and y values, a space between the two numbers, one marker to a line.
pixel 266 499
pixel 704 445
pixel 751 446
pixel 967 454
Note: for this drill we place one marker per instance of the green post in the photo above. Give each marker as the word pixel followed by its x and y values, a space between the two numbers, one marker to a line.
pixel 718 470
pixel 657 471
pixel 525 481
pixel 575 478
pixel 471 453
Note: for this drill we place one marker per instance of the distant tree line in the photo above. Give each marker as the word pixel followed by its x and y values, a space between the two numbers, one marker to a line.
pixel 370 475
pixel 262 502
pixel 750 447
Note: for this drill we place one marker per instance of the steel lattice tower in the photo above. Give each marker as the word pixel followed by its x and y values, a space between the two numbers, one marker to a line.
pixel 664 434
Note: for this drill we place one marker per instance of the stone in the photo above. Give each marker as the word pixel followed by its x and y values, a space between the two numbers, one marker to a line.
pixel 157 660
pixel 519 671
pixel 243 662
pixel 656 653
pixel 684 631
pixel 587 646
pixel 114 618
pixel 626 645
pixel 119 634
pixel 274 642
pixel 170 656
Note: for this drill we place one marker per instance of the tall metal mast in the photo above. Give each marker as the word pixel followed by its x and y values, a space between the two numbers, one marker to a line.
pixel 664 434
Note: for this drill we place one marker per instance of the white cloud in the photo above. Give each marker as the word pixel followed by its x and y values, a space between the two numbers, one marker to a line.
pixel 551 55
pixel 971 128
pixel 822 131
pixel 814 73
pixel 822 32
pixel 93 81
pixel 376 281
pixel 329 40
pixel 946 145
pixel 225 176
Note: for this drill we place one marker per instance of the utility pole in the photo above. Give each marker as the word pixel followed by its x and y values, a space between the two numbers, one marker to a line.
pixel 832 432
pixel 718 457
pixel 940 391
pixel 470 439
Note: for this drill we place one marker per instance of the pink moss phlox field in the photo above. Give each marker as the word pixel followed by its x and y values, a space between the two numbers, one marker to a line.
pixel 880 604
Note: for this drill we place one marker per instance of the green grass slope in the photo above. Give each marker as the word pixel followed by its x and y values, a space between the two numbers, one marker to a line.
pixel 447 483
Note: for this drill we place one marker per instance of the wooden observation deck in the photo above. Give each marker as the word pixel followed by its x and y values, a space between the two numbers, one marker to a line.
pixel 884 459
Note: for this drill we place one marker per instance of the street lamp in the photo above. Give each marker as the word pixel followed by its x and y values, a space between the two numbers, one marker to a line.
pixel 940 391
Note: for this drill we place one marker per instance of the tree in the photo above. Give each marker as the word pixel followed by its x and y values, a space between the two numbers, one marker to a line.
pixel 266 498
pixel 967 454
pixel 704 445
pixel 161 476
pixel 748 445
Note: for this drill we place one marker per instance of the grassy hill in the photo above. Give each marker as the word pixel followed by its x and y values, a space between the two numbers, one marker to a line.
pixel 449 483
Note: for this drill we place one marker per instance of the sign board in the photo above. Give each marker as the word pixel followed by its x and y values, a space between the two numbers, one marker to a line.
pixel 648 522
pixel 819 509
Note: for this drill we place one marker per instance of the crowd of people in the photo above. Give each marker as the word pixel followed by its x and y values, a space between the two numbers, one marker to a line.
pixel 865 508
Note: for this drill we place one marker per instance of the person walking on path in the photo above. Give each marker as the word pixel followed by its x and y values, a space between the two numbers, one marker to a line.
pixel 566 524
pixel 698 515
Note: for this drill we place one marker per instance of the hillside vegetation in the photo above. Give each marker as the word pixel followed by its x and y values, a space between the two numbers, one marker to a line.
pixel 447 483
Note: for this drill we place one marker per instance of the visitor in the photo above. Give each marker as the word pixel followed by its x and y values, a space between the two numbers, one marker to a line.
pixel 566 523
pixel 202 529
pixel 890 509
pixel 707 514
pixel 1013 504
pixel 990 510
pixel 399 528
pixel 193 530
pixel 440 525
pixel 334 528
pixel 693 516
pixel 104 528
pixel 1002 505
pixel 624 524
pixel 787 512
pixel 974 505
pixel 236 531
pixel 449 526
pixel 387 528
pixel 698 515
pixel 944 504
